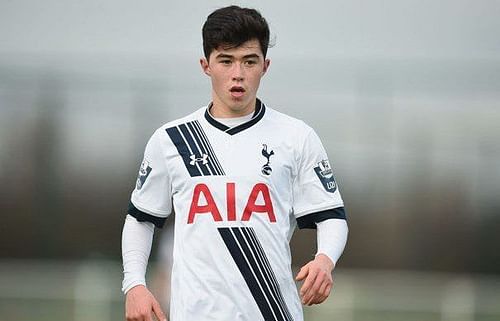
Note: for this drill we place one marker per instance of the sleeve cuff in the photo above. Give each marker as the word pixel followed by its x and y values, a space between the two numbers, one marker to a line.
pixel 309 221
pixel 132 285
pixel 145 217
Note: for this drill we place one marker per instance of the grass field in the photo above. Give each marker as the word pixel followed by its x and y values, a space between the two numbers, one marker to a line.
pixel 90 291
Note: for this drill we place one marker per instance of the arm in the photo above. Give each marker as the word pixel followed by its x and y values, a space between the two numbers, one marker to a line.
pixel 332 237
pixel 137 238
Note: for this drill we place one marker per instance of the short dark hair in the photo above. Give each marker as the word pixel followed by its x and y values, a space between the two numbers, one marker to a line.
pixel 232 26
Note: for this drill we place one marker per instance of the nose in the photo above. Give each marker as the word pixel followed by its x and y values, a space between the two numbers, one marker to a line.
pixel 238 72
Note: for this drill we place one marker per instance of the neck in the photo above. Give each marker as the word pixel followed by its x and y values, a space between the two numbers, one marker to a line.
pixel 221 110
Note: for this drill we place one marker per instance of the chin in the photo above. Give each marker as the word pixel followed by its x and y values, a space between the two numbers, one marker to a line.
pixel 237 105
pixel 236 109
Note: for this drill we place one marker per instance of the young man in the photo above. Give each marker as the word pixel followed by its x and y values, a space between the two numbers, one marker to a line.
pixel 240 177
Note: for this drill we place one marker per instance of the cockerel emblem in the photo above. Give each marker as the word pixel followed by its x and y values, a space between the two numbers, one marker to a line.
pixel 266 168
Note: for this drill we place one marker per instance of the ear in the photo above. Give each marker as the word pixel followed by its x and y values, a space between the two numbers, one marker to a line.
pixel 267 63
pixel 205 66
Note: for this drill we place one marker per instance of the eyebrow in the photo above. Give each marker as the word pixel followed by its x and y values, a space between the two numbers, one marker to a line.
pixel 223 55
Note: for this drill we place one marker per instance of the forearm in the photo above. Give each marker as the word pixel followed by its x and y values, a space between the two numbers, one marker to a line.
pixel 137 238
pixel 332 238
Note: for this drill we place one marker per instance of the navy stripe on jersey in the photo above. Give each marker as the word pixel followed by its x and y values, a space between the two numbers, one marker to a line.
pixel 201 134
pixel 183 149
pixel 195 149
pixel 254 242
pixel 258 269
pixel 248 255
pixel 188 128
pixel 310 220
pixel 140 216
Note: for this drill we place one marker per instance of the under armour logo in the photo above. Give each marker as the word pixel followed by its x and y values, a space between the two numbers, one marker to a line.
pixel 203 159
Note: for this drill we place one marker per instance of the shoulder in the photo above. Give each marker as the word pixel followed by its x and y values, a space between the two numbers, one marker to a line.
pixel 291 125
pixel 191 117
pixel 160 132
pixel 299 136
pixel 159 139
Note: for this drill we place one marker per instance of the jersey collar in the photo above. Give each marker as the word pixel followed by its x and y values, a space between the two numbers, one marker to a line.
pixel 260 109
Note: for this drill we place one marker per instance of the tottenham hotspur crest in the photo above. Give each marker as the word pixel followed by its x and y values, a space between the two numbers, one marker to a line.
pixel 266 168
pixel 325 175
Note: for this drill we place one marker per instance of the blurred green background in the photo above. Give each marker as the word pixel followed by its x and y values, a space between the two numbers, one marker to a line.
pixel 404 94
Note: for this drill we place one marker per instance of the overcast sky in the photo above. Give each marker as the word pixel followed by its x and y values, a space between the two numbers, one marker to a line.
pixel 355 28
pixel 357 60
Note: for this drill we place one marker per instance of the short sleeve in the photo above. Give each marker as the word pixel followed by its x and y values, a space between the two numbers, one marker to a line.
pixel 151 199
pixel 315 192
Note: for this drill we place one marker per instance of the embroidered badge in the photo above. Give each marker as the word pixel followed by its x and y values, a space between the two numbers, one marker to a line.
pixel 325 175
pixel 266 168
pixel 144 172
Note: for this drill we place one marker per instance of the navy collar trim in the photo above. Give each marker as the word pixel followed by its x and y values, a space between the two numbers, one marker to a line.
pixel 260 110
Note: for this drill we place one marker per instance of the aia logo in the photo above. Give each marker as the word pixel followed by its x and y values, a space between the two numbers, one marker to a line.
pixel 210 207
pixel 266 168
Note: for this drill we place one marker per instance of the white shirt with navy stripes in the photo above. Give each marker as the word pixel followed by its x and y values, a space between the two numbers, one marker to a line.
pixel 238 194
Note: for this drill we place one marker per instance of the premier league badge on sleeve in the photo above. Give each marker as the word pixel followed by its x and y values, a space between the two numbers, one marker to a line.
pixel 325 175
pixel 143 174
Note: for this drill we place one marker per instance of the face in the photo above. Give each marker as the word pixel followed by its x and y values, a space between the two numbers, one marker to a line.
pixel 235 75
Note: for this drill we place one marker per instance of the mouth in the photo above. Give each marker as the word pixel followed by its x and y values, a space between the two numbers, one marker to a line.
pixel 237 91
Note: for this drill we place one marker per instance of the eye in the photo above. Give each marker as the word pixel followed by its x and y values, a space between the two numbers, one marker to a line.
pixel 225 62
pixel 250 62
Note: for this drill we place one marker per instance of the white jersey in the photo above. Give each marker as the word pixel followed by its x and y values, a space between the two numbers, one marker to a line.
pixel 238 194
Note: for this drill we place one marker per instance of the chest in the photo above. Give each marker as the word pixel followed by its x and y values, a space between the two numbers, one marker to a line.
pixel 250 157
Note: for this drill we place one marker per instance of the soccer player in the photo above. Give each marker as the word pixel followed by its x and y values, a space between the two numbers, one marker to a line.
pixel 240 177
